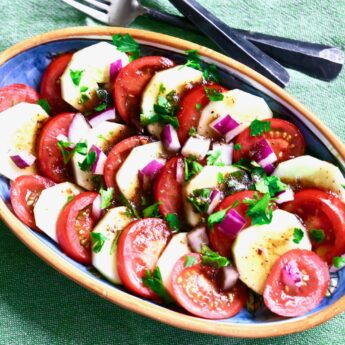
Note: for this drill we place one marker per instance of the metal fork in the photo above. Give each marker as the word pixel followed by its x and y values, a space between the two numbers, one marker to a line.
pixel 318 60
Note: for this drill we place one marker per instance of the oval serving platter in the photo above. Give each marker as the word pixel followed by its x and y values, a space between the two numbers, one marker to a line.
pixel 25 63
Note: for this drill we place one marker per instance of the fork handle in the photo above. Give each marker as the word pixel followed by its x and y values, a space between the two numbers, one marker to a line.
pixel 317 60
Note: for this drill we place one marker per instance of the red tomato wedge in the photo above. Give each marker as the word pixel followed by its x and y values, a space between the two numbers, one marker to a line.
pixel 321 210
pixel 191 106
pixel 167 190
pixel 17 93
pixel 139 248
pixel 195 289
pixel 293 300
pixel 50 84
pixel 50 161
pixel 284 137
pixel 220 242
pixel 117 156
pixel 25 191
pixel 74 225
pixel 131 82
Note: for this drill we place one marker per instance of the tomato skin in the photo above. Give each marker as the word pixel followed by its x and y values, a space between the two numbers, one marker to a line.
pixel 321 210
pixel 199 295
pixel 117 156
pixel 167 190
pixel 50 161
pixel 66 231
pixel 17 93
pixel 131 82
pixel 219 241
pixel 188 114
pixel 138 250
pixel 50 84
pixel 284 147
pixel 296 301
pixel 20 189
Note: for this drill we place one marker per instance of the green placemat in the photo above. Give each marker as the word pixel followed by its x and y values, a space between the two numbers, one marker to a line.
pixel 37 304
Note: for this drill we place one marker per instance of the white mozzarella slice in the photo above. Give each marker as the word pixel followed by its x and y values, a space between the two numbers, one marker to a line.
pixel 240 105
pixel 110 226
pixel 49 205
pixel 257 247
pixel 310 172
pixel 19 128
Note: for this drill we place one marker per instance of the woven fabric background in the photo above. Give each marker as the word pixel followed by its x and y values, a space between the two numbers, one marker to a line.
pixel 37 304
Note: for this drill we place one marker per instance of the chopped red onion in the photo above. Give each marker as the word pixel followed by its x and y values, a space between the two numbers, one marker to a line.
pixel 170 139
pixel 108 114
pixel 180 171
pixel 115 69
pixel 97 211
pixel 224 124
pixel 291 275
pixel 226 152
pixel 23 159
pixel 285 196
pixel 197 147
pixel 227 277
pixel 153 168
pixel 265 156
pixel 197 238
pixel 232 223
pixel 335 269
pixel 78 128
pixel 98 166
pixel 215 199
pixel 235 132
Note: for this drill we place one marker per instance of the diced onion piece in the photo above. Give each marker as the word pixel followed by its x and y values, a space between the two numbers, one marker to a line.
pixel 78 128
pixel 232 224
pixel 170 139
pixel 153 168
pixel 291 275
pixel 236 131
pixel 180 171
pixel 335 269
pixel 227 277
pixel 224 124
pixel 196 147
pixel 215 199
pixel 115 69
pixel 97 211
pixel 226 150
pixel 98 166
pixel 108 114
pixel 284 196
pixel 197 238
pixel 265 156
pixel 23 159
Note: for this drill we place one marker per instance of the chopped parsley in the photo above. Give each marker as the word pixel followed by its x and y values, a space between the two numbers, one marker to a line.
pixel 83 98
pixel 211 73
pixel 131 208
pixel 297 235
pixel 44 104
pixel 211 258
pixel 338 262
pixel 259 210
pixel 258 127
pixel 200 199
pixel 220 178
pixel 153 280
pixel 192 132
pixel 190 260
pixel 198 106
pixel 317 235
pixel 152 211
pixel 173 221
pixel 100 107
pixel 214 158
pixel 237 147
pixel 213 95
pixel 83 88
pixel 67 152
pixel 270 184
pixel 217 217
pixel 97 240
pixel 115 242
pixel 106 197
pixel 126 44
pixel 191 168
pixel 69 199
pixel 76 76
pixel 88 161
pixel 193 59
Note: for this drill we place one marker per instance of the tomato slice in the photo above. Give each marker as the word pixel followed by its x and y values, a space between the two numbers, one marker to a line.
pixel 131 82
pixel 25 191
pixel 220 242
pixel 189 113
pixel 284 137
pixel 17 93
pixel 321 210
pixel 294 300
pixel 196 290
pixel 117 156
pixel 50 161
pixel 74 225
pixel 139 248
pixel 167 190
pixel 51 86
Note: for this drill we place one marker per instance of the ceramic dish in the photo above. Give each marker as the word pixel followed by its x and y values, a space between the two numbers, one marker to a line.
pixel 25 63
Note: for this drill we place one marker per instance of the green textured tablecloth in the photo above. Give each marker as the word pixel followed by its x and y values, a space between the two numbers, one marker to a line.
pixel 37 304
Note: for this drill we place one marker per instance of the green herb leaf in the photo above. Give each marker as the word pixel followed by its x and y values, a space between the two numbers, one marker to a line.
pixel 106 197
pixel 191 168
pixel 338 262
pixel 200 199
pixel 259 210
pixel 193 59
pixel 173 221
pixel 220 178
pixel 270 184
pixel 132 210
pixel 237 147
pixel 69 199
pixel 153 280
pixel 343 185
pixel 217 217
pixel 76 76
pixel 192 132
pixel 190 260
pixel 211 73
pixel 198 106
pixel 44 104
pixel 214 259
pixel 297 235
pixel 115 242
pixel 258 127
pixel 214 158
pixel 67 152
pixel 152 211
pixel 98 241
pixel 213 95
pixel 126 44
pixel 100 107
pixel 83 88
pixel 317 235
pixel 88 161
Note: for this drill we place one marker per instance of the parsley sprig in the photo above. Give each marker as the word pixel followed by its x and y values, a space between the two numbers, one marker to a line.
pixel 317 235
pixel 190 260
pixel 76 76
pixel 97 240
pixel 107 196
pixel 258 127
pixel 88 161
pixel 214 259
pixel 44 104
pixel 68 152
pixel 259 209
pixel 298 235
pixel 213 95
pixel 200 199
pixel 191 168
pixel 214 158
pixel 126 44
pixel 173 221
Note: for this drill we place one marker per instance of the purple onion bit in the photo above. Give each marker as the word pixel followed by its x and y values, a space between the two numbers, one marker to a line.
pixel 215 199
pixel 235 132
pixel 153 168
pixel 98 166
pixel 265 155
pixel 232 224
pixel 227 277
pixel 114 69
pixel 224 124
pixel 180 171
pixel 23 159
pixel 197 238
pixel 107 115
pixel 170 138
pixel 291 275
